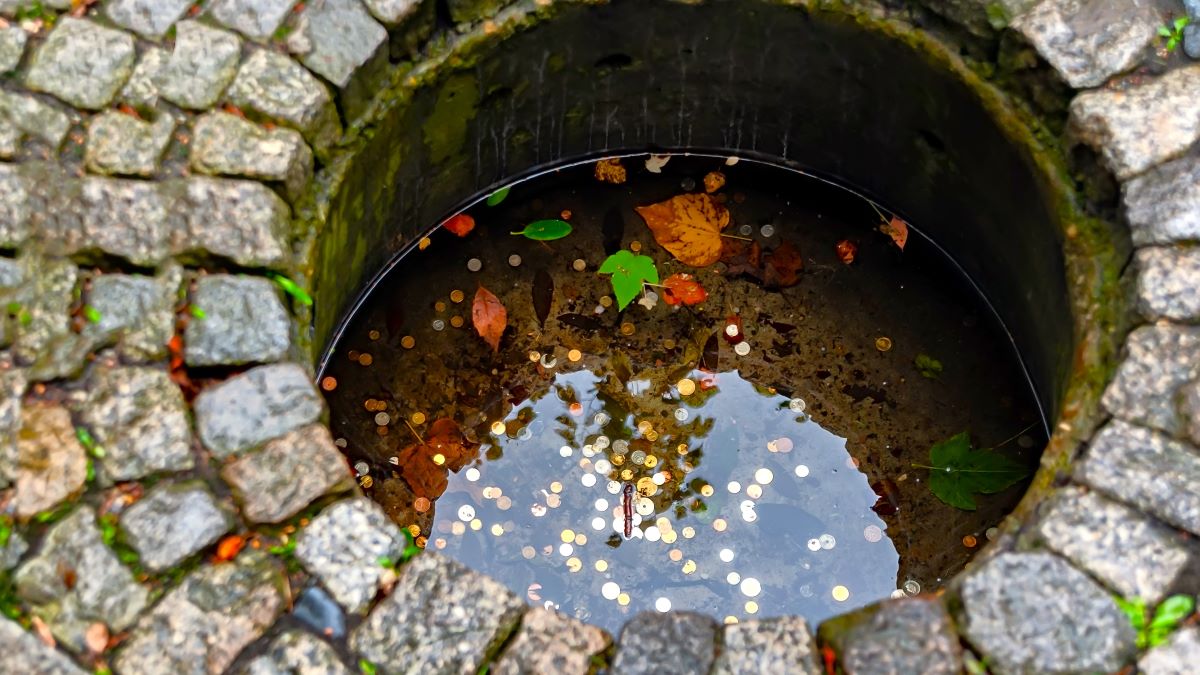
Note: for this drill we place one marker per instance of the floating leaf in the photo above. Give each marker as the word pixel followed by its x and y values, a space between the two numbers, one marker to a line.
pixel 546 230
pixel 543 295
pixel 957 472
pixel 896 229
pixel 689 226
pixel 498 196
pixel 710 355
pixel 460 224
pixel 846 251
pixel 713 181
pixel 610 171
pixel 489 317
pixel 781 267
pixel 293 289
pixel 629 272
pixel 929 367
pixel 683 289
pixel 426 465
pixel 655 163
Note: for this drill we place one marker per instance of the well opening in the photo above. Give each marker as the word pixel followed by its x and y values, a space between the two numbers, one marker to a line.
pixel 864 103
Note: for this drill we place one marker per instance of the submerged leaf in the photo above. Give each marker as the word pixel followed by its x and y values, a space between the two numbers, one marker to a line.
pixel 489 317
pixel 896 229
pixel 713 181
pixel 543 295
pixel 689 226
pixel 629 272
pixel 683 289
pixel 846 251
pixel 460 224
pixel 545 230
pixel 781 267
pixel 929 367
pixel 957 472
pixel 498 196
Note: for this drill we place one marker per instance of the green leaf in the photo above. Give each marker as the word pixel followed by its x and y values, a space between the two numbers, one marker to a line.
pixel 546 230
pixel 1173 610
pixel 197 312
pixel 293 289
pixel 85 438
pixel 957 472
pixel 366 667
pixel 629 272
pixel 928 366
pixel 1164 31
pixel 1181 23
pixel 385 561
pixel 1135 610
pixel 91 314
pixel 25 317
pixel 91 471
pixel 14 307
pixel 498 196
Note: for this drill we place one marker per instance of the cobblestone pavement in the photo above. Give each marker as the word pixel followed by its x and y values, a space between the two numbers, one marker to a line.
pixel 172 500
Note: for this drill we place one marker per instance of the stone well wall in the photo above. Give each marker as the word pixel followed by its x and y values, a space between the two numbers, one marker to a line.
pixel 173 501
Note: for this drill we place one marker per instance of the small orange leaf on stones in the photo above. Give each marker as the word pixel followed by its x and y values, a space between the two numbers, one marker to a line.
pixel 610 171
pixel 689 226
pixel 229 547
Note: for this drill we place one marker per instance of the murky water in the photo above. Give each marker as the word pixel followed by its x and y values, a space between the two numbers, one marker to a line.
pixel 771 473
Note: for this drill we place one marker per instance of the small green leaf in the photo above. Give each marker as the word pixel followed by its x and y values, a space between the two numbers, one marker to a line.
pixel 366 667
pixel 546 230
pixel 498 196
pixel 293 289
pixel 25 317
pixel 957 472
pixel 91 471
pixel 1181 23
pixel 1164 31
pixel 14 307
pixel 6 524
pixel 85 438
pixel 1173 610
pixel 929 367
pixel 91 314
pixel 385 561
pixel 197 312
pixel 629 273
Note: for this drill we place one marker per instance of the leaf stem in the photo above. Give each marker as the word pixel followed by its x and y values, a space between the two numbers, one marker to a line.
pixel 735 236
pixel 414 432
pixel 1010 439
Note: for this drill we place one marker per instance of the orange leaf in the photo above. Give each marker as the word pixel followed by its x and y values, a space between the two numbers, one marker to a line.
pixel 683 289
pixel 896 229
pixel 689 226
pixel 610 171
pixel 489 317
pixel 461 224
pixel 846 250
pixel 229 547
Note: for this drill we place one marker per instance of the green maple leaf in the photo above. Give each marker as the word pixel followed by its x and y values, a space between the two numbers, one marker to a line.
pixel 957 472
pixel 629 272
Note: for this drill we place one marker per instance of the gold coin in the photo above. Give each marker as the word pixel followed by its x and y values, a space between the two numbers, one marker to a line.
pixel 635 246
pixel 689 532
pixel 497 427
pixel 651 436
pixel 651 460
pixel 883 344
pixel 682 448
pixel 421 504
pixel 439 459
pixel 730 620
pixel 751 607
pixel 669 537
pixel 689 567
pixel 418 418
pixel 456 296
pixel 574 355
pixel 623 599
pixel 456 321
pixel 567 536
pixel 534 356
pixel 365 359
pixel 668 344
pixel 675 554
pixel 574 564
pixel 407 342
pixel 626 474
pixel 497 530
pixel 627 328
pixel 556 487
pixel 841 593
pixel 707 490
pixel 605 301
pixel 476 524
pixel 328 383
pixel 601 566
pixel 414 530
pixel 646 486
pixel 580 539
pixel 374 335
pixel 617 460
pixel 686 386
pixel 719 524
pixel 439 306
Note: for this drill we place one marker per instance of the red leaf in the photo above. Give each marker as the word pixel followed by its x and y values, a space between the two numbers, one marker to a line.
pixel 489 316
pixel 846 250
pixel 462 224
pixel 896 229
pixel 683 289
pixel 830 659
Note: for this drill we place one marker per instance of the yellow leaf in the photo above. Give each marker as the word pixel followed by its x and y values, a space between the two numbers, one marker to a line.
pixel 689 226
